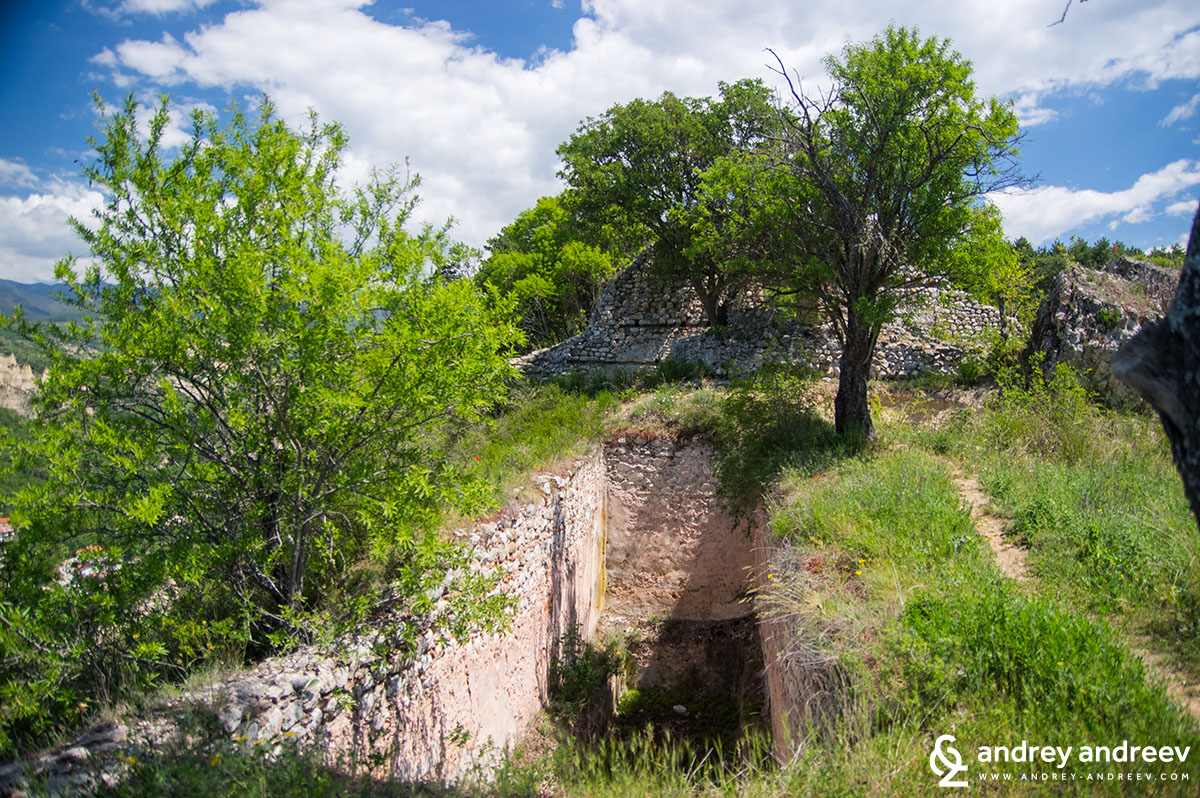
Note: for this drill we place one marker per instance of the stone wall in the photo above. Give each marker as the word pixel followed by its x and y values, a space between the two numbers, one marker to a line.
pixel 454 707
pixel 674 548
pixel 637 530
pixel 640 321
pixel 805 691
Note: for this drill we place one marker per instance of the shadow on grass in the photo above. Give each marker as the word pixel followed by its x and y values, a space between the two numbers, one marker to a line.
pixel 626 379
pixel 768 424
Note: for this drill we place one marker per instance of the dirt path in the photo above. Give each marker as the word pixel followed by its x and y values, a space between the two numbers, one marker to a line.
pixel 1182 686
pixel 1011 558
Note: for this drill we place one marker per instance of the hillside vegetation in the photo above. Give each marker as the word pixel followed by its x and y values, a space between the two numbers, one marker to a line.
pixel 891 595
pixel 273 399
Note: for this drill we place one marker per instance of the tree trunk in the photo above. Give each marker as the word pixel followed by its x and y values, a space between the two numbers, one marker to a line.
pixel 850 409
pixel 1162 363
pixel 715 311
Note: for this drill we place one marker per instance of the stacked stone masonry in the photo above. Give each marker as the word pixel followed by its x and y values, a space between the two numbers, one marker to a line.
pixel 640 521
pixel 455 707
pixel 641 321
pixel 674 550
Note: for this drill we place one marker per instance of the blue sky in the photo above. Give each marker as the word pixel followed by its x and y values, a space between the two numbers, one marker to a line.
pixel 477 95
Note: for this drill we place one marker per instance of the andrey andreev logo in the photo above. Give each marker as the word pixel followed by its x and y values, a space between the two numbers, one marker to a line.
pixel 950 762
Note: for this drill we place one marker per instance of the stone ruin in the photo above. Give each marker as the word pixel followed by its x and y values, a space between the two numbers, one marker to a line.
pixel 634 528
pixel 1088 314
pixel 641 321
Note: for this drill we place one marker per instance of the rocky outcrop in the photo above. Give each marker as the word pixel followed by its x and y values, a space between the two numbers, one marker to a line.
pixel 641 321
pixel 1087 315
pixel 17 384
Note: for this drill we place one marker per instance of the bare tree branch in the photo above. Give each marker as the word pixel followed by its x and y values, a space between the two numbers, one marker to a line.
pixel 1063 18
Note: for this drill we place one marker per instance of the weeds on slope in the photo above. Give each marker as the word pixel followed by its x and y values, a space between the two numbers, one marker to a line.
pixel 1096 500
pixel 886 574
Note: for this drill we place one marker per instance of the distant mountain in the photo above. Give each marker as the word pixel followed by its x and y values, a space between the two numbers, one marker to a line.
pixel 37 299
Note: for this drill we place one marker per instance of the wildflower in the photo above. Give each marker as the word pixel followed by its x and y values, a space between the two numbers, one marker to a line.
pixel 770 576
pixel 136 635
pixel 858 573
pixel 215 759
pixel 241 739
pixel 131 760
pixel 1060 663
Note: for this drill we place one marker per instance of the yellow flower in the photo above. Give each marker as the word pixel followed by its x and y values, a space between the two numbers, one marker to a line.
pixel 1060 664
pixel 241 739
pixel 858 573
pixel 215 759
pixel 131 760
pixel 770 576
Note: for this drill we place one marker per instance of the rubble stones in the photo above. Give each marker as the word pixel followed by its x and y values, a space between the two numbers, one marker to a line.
pixel 640 321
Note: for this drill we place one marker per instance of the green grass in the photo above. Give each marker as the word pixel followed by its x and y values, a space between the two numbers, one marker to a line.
pixel 539 426
pixel 761 425
pixel 928 638
pixel 1094 496
pixel 891 596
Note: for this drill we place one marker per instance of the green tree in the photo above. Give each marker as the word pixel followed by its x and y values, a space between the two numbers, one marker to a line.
pixel 988 267
pixel 889 165
pixel 735 224
pixel 1167 256
pixel 553 276
pixel 248 406
pixel 646 161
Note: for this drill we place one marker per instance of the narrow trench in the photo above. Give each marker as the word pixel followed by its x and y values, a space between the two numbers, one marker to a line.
pixel 677 573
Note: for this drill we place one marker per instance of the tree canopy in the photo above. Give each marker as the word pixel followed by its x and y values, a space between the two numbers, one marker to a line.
pixel 248 406
pixel 546 263
pixel 647 160
pixel 889 168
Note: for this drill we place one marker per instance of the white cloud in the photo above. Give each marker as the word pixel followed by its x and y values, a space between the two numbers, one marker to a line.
pixel 15 174
pixel 156 8
pixel 34 233
pixel 1182 111
pixel 1182 208
pixel 179 117
pixel 161 7
pixel 1046 212
pixel 482 130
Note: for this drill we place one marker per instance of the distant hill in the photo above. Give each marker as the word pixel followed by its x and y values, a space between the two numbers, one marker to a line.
pixel 37 299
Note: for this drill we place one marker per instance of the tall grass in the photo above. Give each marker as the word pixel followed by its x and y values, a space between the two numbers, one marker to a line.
pixel 887 578
pixel 1095 498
